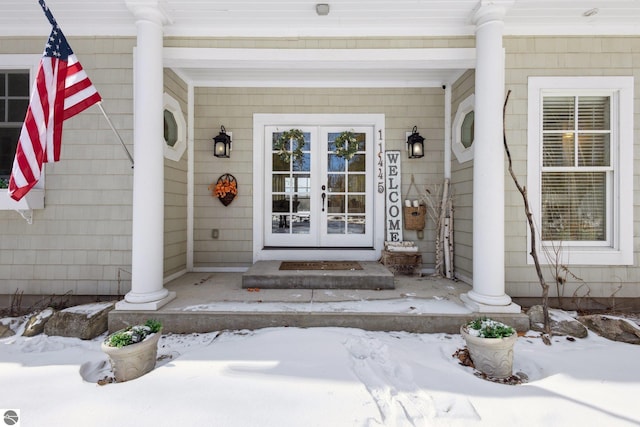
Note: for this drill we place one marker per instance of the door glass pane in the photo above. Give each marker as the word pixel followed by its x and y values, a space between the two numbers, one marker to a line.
pixel 302 163
pixel 335 163
pixel 335 183
pixel 280 224
pixel 356 204
pixel 335 224
pixel 357 183
pixel 357 163
pixel 356 224
pixel 279 163
pixel 335 204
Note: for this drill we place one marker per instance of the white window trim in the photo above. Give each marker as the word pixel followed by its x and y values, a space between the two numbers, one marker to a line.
pixel 34 199
pixel 463 154
pixel 173 106
pixel 621 250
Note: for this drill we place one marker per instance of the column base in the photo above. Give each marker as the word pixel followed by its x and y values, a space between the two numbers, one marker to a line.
pixel 479 307
pixel 145 306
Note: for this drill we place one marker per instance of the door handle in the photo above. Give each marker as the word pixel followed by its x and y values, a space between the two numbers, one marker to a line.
pixel 324 196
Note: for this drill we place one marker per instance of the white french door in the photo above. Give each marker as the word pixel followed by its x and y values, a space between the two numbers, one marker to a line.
pixel 314 197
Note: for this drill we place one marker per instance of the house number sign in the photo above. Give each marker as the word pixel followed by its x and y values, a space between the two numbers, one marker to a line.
pixel 393 212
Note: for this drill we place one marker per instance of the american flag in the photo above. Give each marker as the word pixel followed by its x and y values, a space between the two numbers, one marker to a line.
pixel 62 89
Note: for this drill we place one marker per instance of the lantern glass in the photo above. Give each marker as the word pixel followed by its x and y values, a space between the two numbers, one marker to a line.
pixel 222 144
pixel 415 145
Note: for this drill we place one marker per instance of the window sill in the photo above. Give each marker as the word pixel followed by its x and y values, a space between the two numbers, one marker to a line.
pixel 585 256
pixel 34 199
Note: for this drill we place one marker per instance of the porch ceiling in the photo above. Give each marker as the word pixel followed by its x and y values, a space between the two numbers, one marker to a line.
pixel 347 18
pixel 319 68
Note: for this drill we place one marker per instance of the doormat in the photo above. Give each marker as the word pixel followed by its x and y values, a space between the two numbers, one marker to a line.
pixel 320 265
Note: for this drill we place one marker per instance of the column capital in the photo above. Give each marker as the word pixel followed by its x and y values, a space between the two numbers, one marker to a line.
pixel 150 10
pixel 490 10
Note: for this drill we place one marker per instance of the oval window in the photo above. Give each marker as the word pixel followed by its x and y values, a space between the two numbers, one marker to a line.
pixel 462 131
pixel 175 129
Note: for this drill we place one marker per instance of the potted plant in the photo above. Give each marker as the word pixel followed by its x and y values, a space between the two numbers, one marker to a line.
pixel 132 351
pixel 490 345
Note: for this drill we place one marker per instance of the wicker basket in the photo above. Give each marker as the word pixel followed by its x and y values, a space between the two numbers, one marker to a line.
pixel 414 218
pixel 402 263
pixel 227 198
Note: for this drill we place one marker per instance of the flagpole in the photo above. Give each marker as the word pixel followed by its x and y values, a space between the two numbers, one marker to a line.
pixel 116 132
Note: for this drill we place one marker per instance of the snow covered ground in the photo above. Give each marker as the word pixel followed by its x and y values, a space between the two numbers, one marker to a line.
pixel 319 377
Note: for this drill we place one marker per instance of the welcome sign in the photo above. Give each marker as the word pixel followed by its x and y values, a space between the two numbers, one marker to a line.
pixel 393 218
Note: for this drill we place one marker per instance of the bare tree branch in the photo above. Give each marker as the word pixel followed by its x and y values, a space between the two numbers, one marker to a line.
pixel 527 210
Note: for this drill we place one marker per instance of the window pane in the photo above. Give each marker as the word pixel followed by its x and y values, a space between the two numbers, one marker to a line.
pixel 356 225
pixel 170 129
pixel 335 225
pixel 335 183
pixel 574 206
pixel 361 138
pixel 357 183
pixel 3 106
pixel 357 163
pixel 18 84
pixel 356 204
pixel 467 129
pixel 3 82
pixel 335 163
pixel 593 113
pixel 280 163
pixel 335 204
pixel 17 110
pixel 558 113
pixel 593 150
pixel 302 162
pixel 8 142
pixel 281 204
pixel 280 224
pixel 558 149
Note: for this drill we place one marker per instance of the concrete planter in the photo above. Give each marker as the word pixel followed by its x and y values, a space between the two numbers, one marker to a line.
pixel 491 356
pixel 134 360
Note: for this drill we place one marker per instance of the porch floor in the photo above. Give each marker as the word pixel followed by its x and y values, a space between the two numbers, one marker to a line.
pixel 207 302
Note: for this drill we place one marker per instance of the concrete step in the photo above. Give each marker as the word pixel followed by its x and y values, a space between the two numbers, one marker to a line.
pixel 201 322
pixel 267 275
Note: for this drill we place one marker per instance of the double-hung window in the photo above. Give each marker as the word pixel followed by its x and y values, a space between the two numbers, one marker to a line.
pixel 581 167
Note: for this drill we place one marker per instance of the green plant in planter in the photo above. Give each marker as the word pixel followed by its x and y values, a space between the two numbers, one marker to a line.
pixel 133 334
pixel 4 183
pixel 488 328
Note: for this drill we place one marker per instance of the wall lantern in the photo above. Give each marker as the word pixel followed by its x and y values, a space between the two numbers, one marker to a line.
pixel 415 144
pixel 222 144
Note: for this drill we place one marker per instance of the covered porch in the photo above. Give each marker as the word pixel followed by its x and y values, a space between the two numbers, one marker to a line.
pixel 203 68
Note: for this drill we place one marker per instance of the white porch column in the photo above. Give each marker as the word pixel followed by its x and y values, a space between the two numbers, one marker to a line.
pixel 488 294
pixel 147 246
